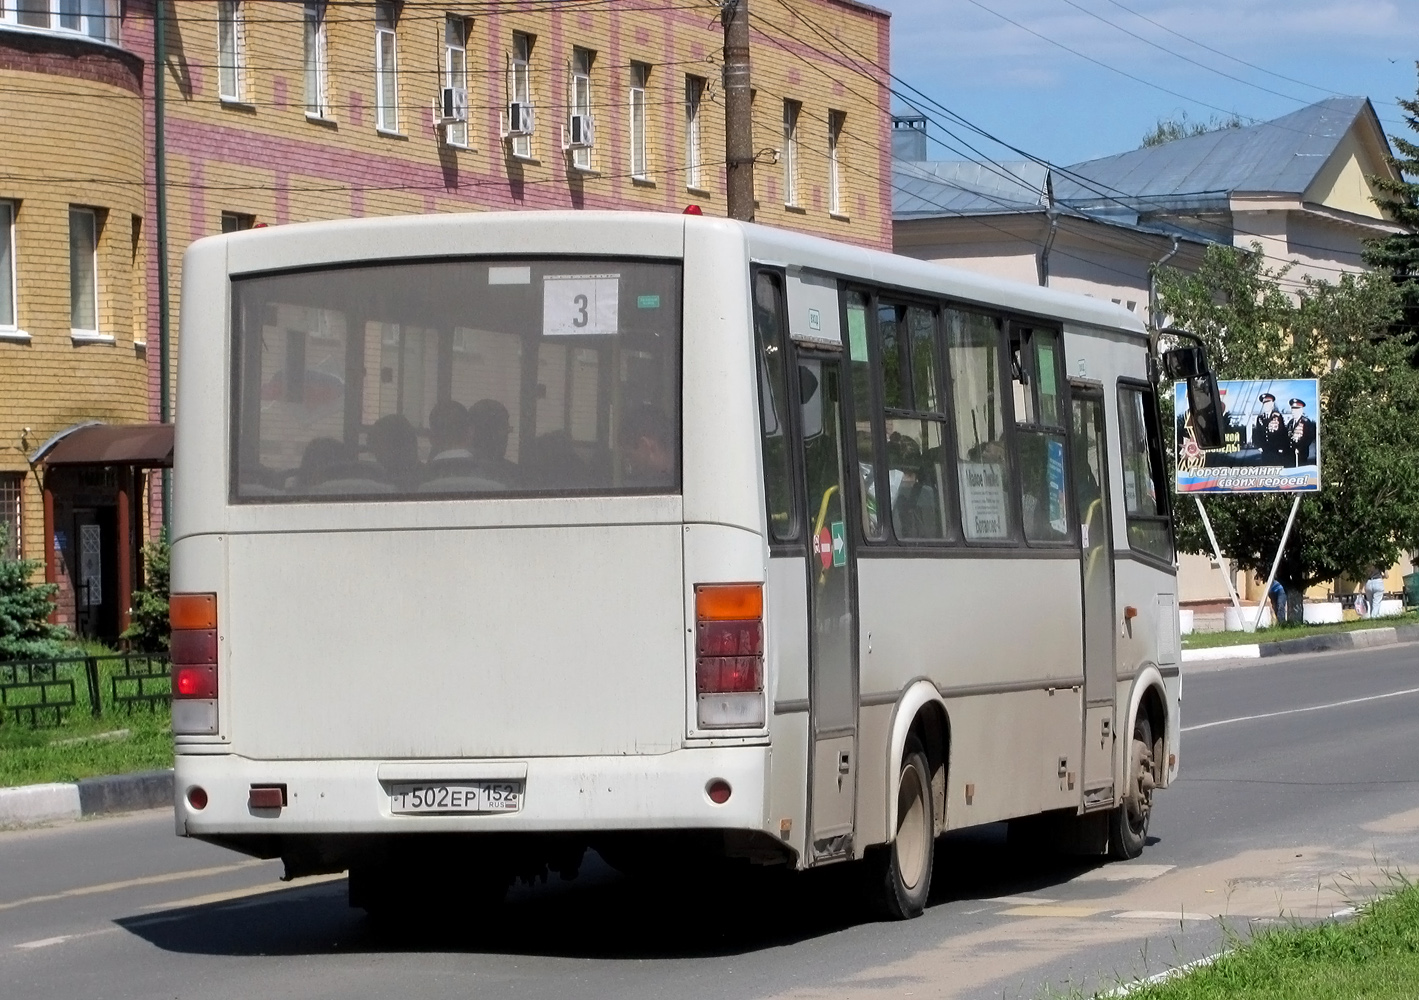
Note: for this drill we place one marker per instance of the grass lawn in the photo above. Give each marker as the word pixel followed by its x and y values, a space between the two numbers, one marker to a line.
pixel 117 742
pixel 1375 957
pixel 1203 640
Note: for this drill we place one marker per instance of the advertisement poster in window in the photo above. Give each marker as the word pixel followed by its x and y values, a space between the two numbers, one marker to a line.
pixel 1272 432
pixel 983 493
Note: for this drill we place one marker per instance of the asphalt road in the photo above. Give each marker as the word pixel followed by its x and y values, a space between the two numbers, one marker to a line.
pixel 1300 792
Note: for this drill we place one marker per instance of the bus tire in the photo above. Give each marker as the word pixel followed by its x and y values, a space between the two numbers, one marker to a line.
pixel 900 872
pixel 1128 826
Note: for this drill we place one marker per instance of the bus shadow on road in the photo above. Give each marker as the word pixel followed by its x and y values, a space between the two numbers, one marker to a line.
pixel 603 914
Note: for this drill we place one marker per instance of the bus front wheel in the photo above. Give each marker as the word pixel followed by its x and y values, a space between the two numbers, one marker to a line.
pixel 1128 827
pixel 900 877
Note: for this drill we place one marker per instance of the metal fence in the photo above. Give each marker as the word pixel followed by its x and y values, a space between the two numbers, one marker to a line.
pixel 41 691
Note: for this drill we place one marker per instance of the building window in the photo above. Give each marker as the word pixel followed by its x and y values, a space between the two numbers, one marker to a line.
pixel 229 50
pixel 640 161
pixel 579 128
pixel 96 19
pixel 83 271
pixel 694 97
pixel 791 111
pixel 386 68
pixel 836 121
pixel 520 95
pixel 315 60
pixel 235 222
pixel 11 487
pixel 8 318
pixel 455 77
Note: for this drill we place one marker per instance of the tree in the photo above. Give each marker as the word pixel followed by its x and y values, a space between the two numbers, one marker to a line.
pixel 25 631
pixel 1182 127
pixel 1398 253
pixel 149 629
pixel 1367 511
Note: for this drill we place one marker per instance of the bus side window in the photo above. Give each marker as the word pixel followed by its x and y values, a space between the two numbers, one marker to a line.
pixel 1039 434
pixel 863 407
pixel 1145 492
pixel 913 404
pixel 773 406
pixel 978 409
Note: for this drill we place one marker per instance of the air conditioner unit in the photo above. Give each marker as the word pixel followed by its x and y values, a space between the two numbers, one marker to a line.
pixel 451 106
pixel 519 120
pixel 580 133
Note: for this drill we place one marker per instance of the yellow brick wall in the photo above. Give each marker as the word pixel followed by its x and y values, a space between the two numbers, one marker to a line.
pixel 80 143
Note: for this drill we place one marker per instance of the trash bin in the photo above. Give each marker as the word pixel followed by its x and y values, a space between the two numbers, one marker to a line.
pixel 1411 589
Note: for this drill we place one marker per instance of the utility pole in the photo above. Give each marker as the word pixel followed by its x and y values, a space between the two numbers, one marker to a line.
pixel 160 182
pixel 738 110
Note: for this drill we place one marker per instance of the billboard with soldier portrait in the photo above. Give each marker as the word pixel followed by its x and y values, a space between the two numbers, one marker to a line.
pixel 1272 432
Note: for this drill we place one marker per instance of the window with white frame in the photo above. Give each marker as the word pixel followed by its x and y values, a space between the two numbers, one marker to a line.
pixel 455 76
pixel 640 159
pixel 8 318
pixel 791 111
pixel 836 121
pixel 315 61
pixel 579 134
pixel 11 491
pixel 229 50
pixel 96 19
pixel 83 271
pixel 694 98
pixel 520 93
pixel 386 67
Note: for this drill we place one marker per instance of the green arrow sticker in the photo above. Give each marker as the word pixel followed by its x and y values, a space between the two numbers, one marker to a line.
pixel 839 532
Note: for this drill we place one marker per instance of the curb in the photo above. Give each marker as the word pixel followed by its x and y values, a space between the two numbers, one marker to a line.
pixel 32 805
pixel 1358 639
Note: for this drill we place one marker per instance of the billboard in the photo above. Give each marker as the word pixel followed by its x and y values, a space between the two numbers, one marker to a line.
pixel 1272 432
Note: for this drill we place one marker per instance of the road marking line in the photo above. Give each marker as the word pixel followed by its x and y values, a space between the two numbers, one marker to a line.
pixel 1297 711
pixel 1123 873
pixel 131 883
pixel 1020 900
pixel 1049 910
pixel 256 890
pixel 50 941
pixel 1168 915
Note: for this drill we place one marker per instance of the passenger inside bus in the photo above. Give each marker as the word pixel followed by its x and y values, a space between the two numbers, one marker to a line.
pixel 648 456
pixel 490 429
pixel 395 446
pixel 452 466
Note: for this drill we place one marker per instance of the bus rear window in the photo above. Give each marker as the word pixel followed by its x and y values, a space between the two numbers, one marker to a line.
pixel 459 379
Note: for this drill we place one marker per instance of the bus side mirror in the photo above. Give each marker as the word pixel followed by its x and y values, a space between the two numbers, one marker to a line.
pixel 1204 410
pixel 1184 362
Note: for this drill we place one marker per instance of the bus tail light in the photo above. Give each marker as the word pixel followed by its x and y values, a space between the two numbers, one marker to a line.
pixel 729 656
pixel 194 663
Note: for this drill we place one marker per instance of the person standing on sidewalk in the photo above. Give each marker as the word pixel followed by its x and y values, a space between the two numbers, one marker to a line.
pixel 1374 592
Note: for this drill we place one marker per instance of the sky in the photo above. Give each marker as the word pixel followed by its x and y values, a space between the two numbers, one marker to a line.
pixel 1057 105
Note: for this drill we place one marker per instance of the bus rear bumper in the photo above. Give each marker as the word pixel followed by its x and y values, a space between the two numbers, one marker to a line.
pixel 561 794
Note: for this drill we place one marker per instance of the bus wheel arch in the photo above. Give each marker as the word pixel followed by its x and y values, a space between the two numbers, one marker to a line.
pixel 1141 765
pixel 921 716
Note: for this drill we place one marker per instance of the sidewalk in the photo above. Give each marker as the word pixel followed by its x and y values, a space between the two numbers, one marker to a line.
pixel 32 805
pixel 1357 639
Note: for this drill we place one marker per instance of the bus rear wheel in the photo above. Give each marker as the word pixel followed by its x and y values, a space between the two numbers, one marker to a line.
pixel 1128 827
pixel 900 872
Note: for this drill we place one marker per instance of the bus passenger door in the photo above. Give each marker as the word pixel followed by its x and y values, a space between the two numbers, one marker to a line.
pixel 1091 490
pixel 832 649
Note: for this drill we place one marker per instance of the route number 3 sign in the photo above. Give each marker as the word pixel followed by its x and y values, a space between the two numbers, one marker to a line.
pixel 580 304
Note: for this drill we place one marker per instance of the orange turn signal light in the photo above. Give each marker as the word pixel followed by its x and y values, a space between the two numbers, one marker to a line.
pixel 192 610
pixel 729 601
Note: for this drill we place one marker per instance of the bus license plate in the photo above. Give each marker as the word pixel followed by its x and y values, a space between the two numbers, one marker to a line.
pixel 457 797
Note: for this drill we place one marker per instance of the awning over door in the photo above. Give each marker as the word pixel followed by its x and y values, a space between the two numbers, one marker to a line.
pixel 145 446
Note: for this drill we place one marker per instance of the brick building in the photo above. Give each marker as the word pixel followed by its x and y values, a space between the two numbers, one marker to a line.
pixel 280 112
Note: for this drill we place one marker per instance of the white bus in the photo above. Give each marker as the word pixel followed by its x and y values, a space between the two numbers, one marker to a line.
pixel 500 537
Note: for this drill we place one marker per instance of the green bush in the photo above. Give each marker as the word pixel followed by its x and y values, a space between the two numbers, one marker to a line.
pixel 25 607
pixel 149 629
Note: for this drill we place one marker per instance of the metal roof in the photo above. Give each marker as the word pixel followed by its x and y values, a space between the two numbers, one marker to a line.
pixel 1281 156
pixel 963 187
pixel 148 446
